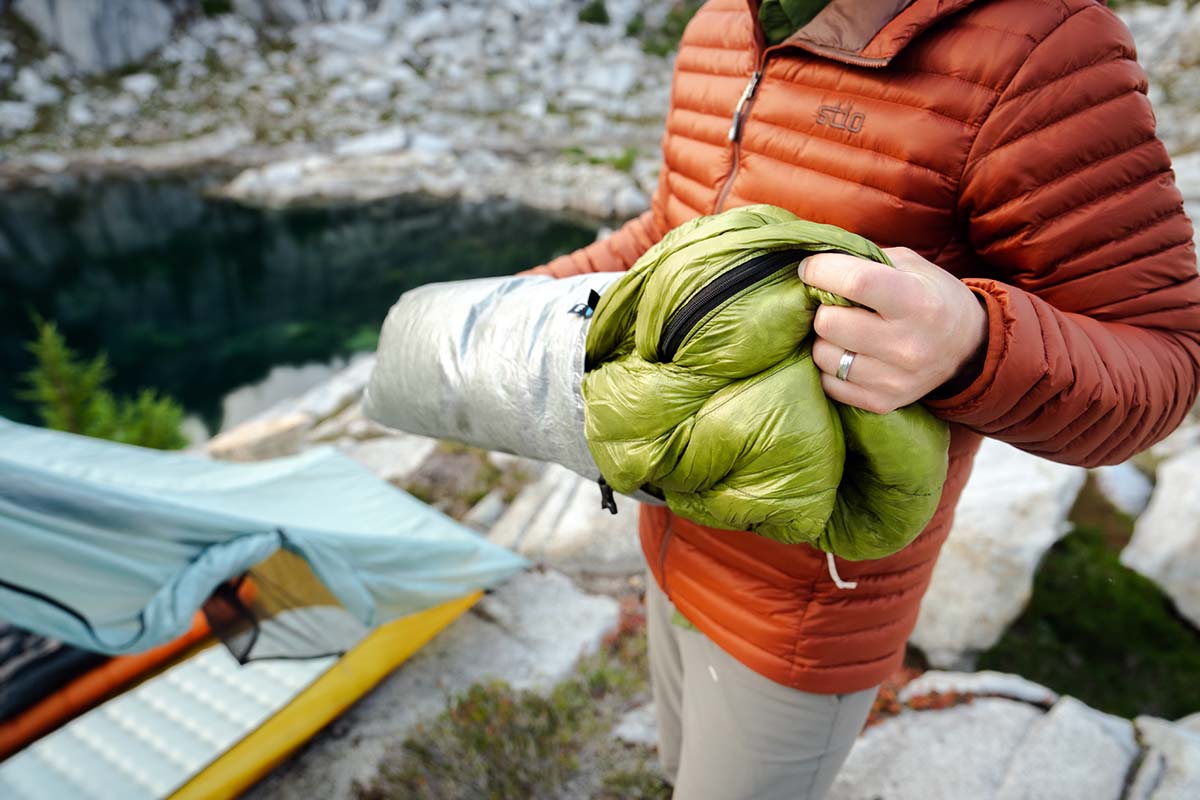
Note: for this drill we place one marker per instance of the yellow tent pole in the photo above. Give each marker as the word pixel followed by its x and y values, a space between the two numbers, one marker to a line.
pixel 347 680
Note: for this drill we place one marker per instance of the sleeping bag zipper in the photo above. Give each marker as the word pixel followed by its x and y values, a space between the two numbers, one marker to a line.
pixel 723 287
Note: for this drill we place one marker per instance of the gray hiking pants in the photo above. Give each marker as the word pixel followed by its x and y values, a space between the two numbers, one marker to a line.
pixel 727 733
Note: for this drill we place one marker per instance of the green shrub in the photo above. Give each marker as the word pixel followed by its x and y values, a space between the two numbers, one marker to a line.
pixel 495 741
pixel 1102 633
pixel 70 394
pixel 663 40
pixel 594 13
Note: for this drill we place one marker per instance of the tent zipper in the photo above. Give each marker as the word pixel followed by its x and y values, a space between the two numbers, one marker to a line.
pixel 720 289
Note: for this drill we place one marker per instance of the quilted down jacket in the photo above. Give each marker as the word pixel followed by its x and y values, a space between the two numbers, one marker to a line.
pixel 702 389
pixel 1011 143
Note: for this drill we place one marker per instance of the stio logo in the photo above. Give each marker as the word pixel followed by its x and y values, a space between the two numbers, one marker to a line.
pixel 842 119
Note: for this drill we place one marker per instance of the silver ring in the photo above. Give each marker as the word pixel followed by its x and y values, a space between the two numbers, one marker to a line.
pixel 844 364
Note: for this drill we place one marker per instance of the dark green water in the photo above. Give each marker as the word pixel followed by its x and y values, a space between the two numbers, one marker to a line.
pixel 196 297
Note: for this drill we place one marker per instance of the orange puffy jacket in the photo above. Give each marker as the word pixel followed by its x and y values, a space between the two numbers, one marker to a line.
pixel 1011 143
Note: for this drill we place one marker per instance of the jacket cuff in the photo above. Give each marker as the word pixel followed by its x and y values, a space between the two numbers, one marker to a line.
pixel 965 404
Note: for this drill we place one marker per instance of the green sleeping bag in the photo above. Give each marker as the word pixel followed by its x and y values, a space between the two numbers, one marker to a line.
pixel 700 389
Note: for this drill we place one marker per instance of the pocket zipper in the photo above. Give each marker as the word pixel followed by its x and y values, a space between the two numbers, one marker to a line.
pixel 724 286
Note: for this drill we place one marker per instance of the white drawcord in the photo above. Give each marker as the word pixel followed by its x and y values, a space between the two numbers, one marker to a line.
pixel 837 579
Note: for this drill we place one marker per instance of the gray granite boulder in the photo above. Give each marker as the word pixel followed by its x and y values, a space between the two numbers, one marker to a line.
pixel 961 752
pixel 1170 769
pixel 558 521
pixel 1072 753
pixel 1166 539
pixel 100 35
pixel 1013 509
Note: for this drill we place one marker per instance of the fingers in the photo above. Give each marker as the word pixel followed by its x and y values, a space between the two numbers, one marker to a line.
pixel 854 395
pixel 864 371
pixel 889 291
pixel 855 329
pixel 870 383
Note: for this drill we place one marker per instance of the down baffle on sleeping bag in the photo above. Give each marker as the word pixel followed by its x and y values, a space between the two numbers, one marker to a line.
pixel 688 379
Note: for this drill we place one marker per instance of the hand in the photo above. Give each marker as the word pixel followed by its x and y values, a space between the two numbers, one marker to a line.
pixel 919 327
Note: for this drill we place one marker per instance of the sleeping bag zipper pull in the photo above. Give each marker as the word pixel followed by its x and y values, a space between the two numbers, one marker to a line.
pixel 607 501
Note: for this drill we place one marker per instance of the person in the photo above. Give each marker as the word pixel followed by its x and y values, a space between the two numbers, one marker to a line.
pixel 1045 294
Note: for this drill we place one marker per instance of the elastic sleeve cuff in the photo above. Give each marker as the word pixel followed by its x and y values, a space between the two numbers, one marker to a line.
pixel 947 406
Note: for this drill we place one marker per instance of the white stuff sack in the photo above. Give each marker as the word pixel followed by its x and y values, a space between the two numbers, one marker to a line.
pixel 496 363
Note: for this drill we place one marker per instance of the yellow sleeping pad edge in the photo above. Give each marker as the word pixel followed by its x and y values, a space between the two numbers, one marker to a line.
pixel 350 678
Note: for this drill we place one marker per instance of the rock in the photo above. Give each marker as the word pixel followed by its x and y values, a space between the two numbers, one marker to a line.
pixel 47 161
pixel 34 90
pixel 121 106
pixel 639 726
pixel 349 37
pixel 422 26
pixel 262 438
pixel 537 627
pixel 961 752
pixel 16 117
pixel 281 384
pixel 1166 539
pixel 430 143
pixel 393 458
pixel 173 155
pixel 1012 510
pixel 348 424
pixel 78 111
pixel 559 521
pixel 616 79
pixel 285 426
pixel 1125 486
pixel 484 514
pixel 1170 769
pixel 295 12
pixel 100 35
pixel 345 387
pixel 279 106
pixel 374 91
pixel 987 682
pixel 386 140
pixel 1072 753
pixel 196 433
pixel 140 85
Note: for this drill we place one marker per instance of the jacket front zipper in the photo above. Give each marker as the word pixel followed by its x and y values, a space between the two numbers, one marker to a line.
pixel 716 292
pixel 735 132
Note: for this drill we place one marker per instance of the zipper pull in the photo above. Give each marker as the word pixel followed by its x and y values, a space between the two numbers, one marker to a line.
pixel 586 310
pixel 607 501
pixel 735 130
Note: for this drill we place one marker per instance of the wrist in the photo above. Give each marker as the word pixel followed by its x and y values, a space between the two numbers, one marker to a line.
pixel 969 366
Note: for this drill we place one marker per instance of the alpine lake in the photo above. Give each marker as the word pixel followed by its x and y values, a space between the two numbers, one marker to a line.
pixel 196 296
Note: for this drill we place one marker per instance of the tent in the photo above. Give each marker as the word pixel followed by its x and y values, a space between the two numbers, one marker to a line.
pixel 122 550
pixel 113 548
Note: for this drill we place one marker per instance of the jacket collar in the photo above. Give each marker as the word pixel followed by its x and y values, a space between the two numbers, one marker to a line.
pixel 868 32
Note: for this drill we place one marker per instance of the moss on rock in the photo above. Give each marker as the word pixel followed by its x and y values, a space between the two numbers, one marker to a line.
pixel 1102 633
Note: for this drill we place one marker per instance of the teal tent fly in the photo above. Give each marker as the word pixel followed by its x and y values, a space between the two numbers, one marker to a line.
pixel 114 548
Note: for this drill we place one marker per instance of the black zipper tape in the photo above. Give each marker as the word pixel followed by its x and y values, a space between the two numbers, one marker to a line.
pixel 716 292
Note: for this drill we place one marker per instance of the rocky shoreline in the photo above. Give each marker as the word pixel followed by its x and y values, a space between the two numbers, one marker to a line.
pixel 550 103
pixel 521 101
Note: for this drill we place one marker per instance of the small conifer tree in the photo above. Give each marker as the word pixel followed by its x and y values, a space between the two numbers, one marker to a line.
pixel 70 394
